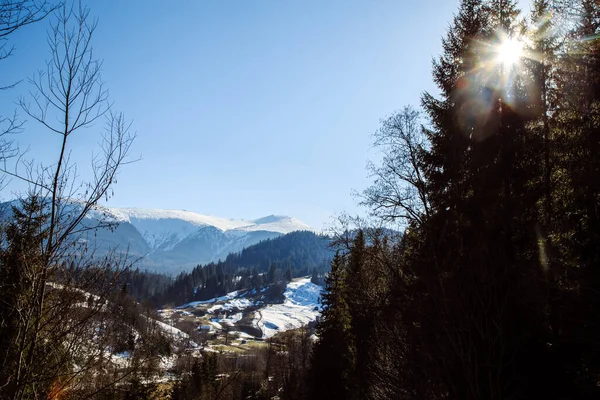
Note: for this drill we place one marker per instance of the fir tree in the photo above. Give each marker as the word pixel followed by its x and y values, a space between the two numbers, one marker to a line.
pixel 20 264
pixel 333 360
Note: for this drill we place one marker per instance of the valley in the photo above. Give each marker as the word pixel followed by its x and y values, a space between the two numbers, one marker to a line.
pixel 245 314
pixel 242 323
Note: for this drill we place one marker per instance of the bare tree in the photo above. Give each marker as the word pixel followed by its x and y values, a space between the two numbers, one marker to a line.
pixel 69 97
pixel 56 337
pixel 399 189
pixel 15 14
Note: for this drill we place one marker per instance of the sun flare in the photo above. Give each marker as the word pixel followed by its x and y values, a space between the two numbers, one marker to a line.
pixel 509 52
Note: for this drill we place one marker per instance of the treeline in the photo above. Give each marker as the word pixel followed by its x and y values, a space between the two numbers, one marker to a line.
pixel 276 370
pixel 271 261
pixel 493 292
pixel 268 262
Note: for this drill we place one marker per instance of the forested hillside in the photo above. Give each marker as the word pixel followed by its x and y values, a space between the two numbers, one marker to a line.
pixel 271 261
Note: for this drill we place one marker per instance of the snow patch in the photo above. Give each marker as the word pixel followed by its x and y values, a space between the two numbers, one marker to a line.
pixel 228 296
pixel 301 306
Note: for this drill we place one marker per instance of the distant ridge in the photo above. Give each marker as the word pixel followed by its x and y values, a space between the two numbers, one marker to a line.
pixel 172 241
pixel 177 240
pixel 275 223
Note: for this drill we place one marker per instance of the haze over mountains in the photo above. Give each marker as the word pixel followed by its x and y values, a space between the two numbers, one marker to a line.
pixel 176 240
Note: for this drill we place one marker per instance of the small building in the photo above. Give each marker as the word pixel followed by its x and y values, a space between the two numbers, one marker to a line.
pixel 205 328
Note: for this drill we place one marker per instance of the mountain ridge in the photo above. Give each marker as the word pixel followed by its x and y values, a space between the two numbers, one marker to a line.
pixel 171 241
pixel 163 229
pixel 178 240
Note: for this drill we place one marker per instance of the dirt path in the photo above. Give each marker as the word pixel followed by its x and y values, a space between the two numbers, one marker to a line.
pixel 258 322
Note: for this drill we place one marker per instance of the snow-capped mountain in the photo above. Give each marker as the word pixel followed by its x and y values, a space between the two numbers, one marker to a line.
pixel 171 241
pixel 165 228
pixel 174 240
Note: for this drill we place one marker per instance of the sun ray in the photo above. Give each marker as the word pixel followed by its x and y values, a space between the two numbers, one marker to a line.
pixel 498 78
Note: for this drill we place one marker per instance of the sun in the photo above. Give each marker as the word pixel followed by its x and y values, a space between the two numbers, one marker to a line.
pixel 509 52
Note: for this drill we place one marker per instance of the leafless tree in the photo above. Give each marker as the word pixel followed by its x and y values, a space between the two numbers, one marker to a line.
pixel 68 98
pixel 56 333
pixel 398 191
pixel 15 14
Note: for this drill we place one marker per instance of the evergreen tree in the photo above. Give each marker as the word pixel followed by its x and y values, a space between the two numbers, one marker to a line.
pixel 478 252
pixel 333 360
pixel 314 277
pixel 495 293
pixel 362 311
pixel 575 237
pixel 20 265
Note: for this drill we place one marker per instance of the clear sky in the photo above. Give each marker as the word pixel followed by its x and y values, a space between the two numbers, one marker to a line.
pixel 248 108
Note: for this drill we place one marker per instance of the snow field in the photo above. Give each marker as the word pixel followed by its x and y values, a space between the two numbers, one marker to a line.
pixel 301 306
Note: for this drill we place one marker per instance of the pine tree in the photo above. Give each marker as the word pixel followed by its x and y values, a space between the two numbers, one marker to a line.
pixel 576 233
pixel 478 253
pixel 362 310
pixel 333 358
pixel 542 67
pixel 449 136
pixel 314 278
pixel 21 262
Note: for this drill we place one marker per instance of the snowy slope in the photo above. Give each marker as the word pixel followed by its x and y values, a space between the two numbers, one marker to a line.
pixel 301 305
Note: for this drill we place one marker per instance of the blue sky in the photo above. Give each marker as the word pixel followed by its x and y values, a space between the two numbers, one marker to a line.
pixel 247 108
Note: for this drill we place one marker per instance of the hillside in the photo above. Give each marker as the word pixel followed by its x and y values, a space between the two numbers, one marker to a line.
pixel 245 314
pixel 271 261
